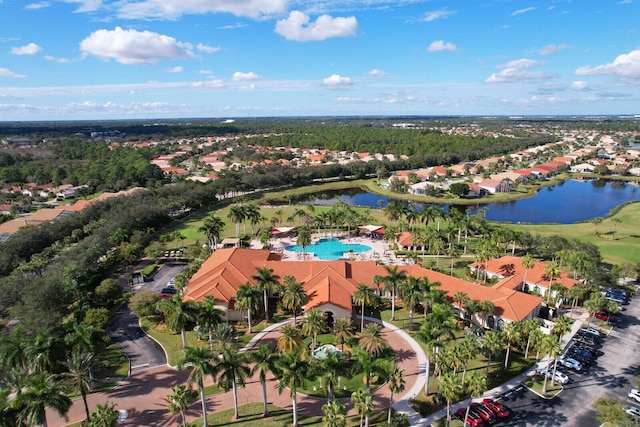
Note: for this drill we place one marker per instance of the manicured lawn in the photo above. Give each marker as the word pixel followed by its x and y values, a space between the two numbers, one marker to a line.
pixel 171 342
pixel 114 363
pixel 535 384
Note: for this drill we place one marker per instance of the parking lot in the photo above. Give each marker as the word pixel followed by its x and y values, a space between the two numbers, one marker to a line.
pixel 613 374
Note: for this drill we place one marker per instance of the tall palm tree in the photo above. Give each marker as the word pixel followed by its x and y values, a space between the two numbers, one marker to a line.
pixel 293 372
pixel 212 228
pixel 179 400
pixel 371 340
pixel 451 390
pixel 331 369
pixel 294 297
pixel 266 281
pixel 41 391
pixel 290 339
pixel 510 334
pixel 392 281
pixel 304 239
pixel 363 403
pixel 527 327
pixel 552 271
pixel 562 325
pixel 364 296
pixel 40 352
pixel 369 365
pixel 252 213
pixel 177 314
pixel 80 365
pixel 396 385
pixel 528 263
pixel 476 387
pixel 461 298
pixel 201 363
pixel 231 371
pixel 438 246
pixel 411 296
pixel 491 343
pixel 208 315
pixel 469 348
pixel 334 414
pixel 551 347
pixel 486 308
pixel 342 331
pixel 454 252
pixel 265 360
pixel 237 215
pixel 438 325
pixel 248 298
pixel 312 325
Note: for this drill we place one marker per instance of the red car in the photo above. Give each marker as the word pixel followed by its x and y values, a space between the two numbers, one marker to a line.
pixel 603 315
pixel 473 419
pixel 498 408
pixel 484 412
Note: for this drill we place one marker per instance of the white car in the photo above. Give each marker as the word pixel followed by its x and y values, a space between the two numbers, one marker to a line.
pixel 558 377
pixel 592 331
pixel 634 394
pixel 569 362
pixel 633 411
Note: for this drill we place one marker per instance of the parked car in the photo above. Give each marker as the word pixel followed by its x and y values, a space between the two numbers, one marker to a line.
pixel 634 394
pixel 590 330
pixel 604 316
pixel 633 411
pixel 167 292
pixel 557 376
pixel 171 283
pixel 498 408
pixel 484 412
pixel 569 362
pixel 473 419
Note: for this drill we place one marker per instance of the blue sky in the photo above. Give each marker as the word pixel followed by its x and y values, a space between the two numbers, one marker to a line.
pixel 114 59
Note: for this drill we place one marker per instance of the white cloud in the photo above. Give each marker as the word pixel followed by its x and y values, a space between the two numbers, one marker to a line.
pixel 204 72
pixel 434 15
pixel 521 11
pixel 29 49
pixel 36 6
pixel 579 85
pixel 626 65
pixel 86 5
pixel 440 45
pixel 8 73
pixel 552 48
pixel 376 73
pixel 177 69
pixel 56 59
pixel 516 71
pixel 173 9
pixel 243 77
pixel 207 49
pixel 336 80
pixel 298 27
pixel 134 47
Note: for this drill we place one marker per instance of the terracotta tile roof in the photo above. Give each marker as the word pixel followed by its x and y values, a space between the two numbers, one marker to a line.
pixel 405 238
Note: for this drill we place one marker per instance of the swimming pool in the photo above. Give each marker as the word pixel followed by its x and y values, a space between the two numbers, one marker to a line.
pixel 330 249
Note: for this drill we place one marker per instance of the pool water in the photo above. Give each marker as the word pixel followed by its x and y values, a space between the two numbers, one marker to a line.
pixel 330 249
pixel 324 351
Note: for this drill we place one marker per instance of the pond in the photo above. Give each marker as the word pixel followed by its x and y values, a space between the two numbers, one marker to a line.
pixel 564 203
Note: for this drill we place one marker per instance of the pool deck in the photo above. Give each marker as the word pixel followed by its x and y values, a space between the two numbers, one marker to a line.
pixel 379 249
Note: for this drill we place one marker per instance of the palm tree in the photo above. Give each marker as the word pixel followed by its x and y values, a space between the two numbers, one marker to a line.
pixel 396 385
pixel 369 365
pixel 596 221
pixel 252 213
pixel 461 298
pixel 290 339
pixel 266 281
pixel 248 298
pixel 562 325
pixel 450 390
pixel 293 372
pixel 527 327
pixel 411 296
pixel 491 343
pixel 179 400
pixel 510 334
pixel 437 325
pixel 363 403
pixel 334 414
pixel 208 315
pixel 342 331
pixel 364 295
pixel 201 363
pixel 453 251
pixel 331 368
pixel 41 391
pixel 237 215
pixel 80 365
pixel 224 336
pixel 392 281
pixel 312 325
pixel 438 246
pixel 104 416
pixel 552 271
pixel 476 387
pixel 551 347
pixel 40 353
pixel 212 228
pixel 231 371
pixel 370 339
pixel 304 239
pixel 486 308
pixel 265 361
pixel 177 314
pixel 469 348
pixel 528 263
pixel 294 297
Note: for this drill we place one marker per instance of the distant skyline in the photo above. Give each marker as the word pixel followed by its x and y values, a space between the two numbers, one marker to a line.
pixel 130 59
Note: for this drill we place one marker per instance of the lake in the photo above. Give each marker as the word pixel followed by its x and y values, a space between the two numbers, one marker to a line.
pixel 564 203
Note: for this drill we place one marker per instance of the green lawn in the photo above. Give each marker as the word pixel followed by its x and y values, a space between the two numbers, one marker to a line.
pixel 170 341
